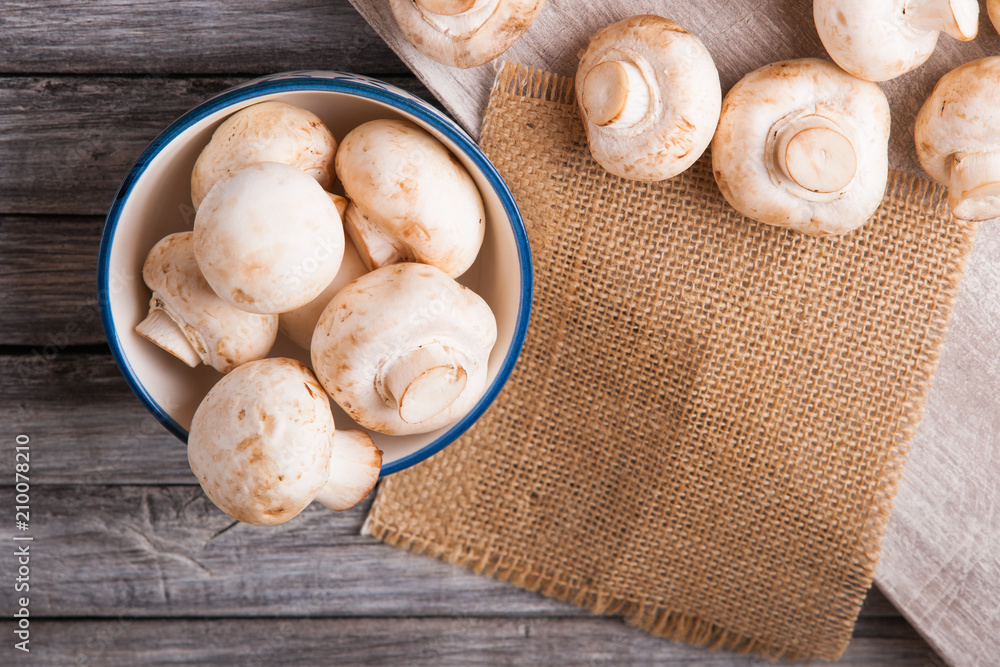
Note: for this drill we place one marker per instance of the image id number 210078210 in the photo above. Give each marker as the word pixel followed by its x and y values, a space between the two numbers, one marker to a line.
pixel 22 541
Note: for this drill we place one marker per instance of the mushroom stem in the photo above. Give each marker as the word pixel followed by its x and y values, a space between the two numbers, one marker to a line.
pixel 813 151
pixel 615 94
pixel 446 7
pixel 454 20
pixel 161 329
pixel 958 18
pixel 374 246
pixel 975 186
pixel 422 382
pixel 355 464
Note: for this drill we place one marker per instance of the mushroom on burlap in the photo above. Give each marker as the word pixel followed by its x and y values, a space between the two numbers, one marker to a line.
pixel 266 132
pixel 411 200
pixel 464 33
pixel 188 320
pixel 804 145
pixel 878 40
pixel 649 94
pixel 404 349
pixel 263 445
pixel 958 138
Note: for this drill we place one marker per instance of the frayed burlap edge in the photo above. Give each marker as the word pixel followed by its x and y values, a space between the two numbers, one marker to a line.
pixel 659 619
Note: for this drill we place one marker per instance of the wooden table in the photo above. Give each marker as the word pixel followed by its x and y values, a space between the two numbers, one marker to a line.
pixel 130 563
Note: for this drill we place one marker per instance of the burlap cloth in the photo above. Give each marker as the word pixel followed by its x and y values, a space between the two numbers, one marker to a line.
pixel 709 419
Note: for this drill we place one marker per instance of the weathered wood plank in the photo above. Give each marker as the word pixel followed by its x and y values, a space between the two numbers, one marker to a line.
pixel 47 279
pixel 86 424
pixel 67 142
pixel 162 551
pixel 128 641
pixel 182 36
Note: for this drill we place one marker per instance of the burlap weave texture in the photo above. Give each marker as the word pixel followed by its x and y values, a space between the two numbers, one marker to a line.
pixel 708 421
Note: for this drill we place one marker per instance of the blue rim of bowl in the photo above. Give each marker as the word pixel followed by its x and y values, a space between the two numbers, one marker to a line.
pixel 359 87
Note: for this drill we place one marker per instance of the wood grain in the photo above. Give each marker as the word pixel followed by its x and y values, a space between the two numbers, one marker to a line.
pixel 467 642
pixel 942 556
pixel 68 142
pixel 196 36
pixel 48 281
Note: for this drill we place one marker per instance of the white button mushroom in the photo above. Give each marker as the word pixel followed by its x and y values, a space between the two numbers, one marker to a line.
pixel 300 323
pixel 958 137
pixel 187 319
pixel 804 145
pixel 464 33
pixel 411 200
pixel 266 132
pixel 878 40
pixel 404 349
pixel 263 446
pixel 268 238
pixel 649 95
pixel 993 8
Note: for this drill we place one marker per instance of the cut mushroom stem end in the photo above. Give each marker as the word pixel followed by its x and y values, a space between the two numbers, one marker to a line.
pixel 355 464
pixel 958 18
pixel 446 7
pixel 815 155
pixel 615 94
pixel 161 329
pixel 422 382
pixel 975 186
pixel 373 245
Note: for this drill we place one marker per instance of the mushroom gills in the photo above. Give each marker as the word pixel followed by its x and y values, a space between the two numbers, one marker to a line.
pixel 160 328
pixel 422 382
pixel 958 18
pixel 815 154
pixel 616 94
pixel 376 248
pixel 355 465
pixel 974 189
pixel 457 18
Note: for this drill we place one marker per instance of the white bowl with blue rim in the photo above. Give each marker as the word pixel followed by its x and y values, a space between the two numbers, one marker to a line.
pixel 155 200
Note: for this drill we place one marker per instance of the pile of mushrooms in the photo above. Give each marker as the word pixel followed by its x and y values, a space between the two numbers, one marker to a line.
pixel 394 339
pixel 464 33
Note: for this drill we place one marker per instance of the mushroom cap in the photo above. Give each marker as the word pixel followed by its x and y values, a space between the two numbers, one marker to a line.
pixel 961 115
pixel 223 336
pixel 779 93
pixel 268 238
pixel 993 9
pixel 685 98
pixel 386 313
pixel 490 28
pixel 300 323
pixel 266 132
pixel 261 440
pixel 410 186
pixel 870 38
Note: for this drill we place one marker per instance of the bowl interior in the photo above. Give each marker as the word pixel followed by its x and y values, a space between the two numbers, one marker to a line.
pixel 159 203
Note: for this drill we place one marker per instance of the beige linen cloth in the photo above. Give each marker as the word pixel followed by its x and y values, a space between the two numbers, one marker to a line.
pixel 709 419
